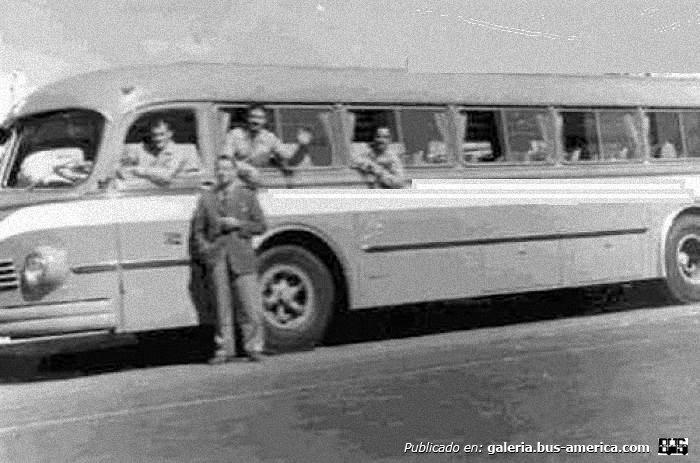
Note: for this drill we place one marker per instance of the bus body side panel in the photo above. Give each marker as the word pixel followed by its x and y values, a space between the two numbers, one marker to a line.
pixel 429 254
pixel 416 255
pixel 88 297
pixel 154 258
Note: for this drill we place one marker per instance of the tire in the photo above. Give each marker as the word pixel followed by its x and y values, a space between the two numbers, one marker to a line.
pixel 682 255
pixel 298 294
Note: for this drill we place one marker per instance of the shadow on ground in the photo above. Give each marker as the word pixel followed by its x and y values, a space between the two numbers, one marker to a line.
pixel 195 345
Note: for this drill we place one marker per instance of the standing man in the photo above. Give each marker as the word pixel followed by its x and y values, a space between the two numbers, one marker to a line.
pixel 382 166
pixel 227 216
pixel 261 148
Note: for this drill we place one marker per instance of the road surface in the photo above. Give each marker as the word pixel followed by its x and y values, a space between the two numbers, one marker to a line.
pixel 628 377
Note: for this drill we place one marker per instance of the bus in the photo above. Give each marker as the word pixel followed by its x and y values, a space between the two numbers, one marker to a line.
pixel 517 183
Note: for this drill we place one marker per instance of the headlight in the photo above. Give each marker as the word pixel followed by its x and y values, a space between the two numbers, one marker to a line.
pixel 45 269
pixel 34 270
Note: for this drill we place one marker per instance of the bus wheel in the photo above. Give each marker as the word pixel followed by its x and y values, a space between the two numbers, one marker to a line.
pixel 683 260
pixel 297 295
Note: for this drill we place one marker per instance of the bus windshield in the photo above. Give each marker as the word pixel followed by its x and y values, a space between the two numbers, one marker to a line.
pixel 53 150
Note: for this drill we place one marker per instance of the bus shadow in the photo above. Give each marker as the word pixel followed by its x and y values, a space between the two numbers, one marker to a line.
pixel 196 345
pixel 434 318
pixel 153 350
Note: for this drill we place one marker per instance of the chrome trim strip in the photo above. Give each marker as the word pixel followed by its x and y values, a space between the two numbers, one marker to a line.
pixel 513 239
pixel 128 265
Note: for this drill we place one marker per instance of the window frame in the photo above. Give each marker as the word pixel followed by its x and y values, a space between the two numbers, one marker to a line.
pixel 504 135
pixel 204 146
pixel 9 146
pixel 449 143
pixel 677 113
pixel 684 136
pixel 634 110
pixel 459 109
pixel 336 159
pixel 381 107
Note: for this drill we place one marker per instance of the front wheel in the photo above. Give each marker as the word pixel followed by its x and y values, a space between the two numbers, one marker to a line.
pixel 297 295
pixel 683 260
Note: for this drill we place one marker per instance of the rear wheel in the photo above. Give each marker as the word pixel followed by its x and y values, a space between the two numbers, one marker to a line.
pixel 297 295
pixel 683 259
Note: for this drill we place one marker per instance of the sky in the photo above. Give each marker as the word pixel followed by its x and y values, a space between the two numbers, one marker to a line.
pixel 50 39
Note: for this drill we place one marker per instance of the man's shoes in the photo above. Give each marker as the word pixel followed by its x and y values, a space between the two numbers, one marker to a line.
pixel 254 356
pixel 220 358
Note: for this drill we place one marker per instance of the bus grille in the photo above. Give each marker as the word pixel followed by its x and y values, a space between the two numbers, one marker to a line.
pixel 8 276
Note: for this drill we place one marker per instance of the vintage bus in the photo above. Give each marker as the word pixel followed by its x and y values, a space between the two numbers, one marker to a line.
pixel 520 183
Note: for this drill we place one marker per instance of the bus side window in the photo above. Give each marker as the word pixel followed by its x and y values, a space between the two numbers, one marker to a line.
pixel 580 137
pixel 480 131
pixel 691 128
pixel 665 135
pixel 54 150
pixel 238 117
pixel 425 135
pixel 620 136
pixel 162 141
pixel 316 121
pixel 530 135
pixel 364 125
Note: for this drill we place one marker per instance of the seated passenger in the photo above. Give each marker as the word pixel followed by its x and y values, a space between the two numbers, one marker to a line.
pixel 383 166
pixel 667 150
pixel 261 148
pixel 56 167
pixel 158 159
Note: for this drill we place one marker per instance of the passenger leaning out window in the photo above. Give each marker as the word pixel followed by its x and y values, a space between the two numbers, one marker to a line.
pixel 383 166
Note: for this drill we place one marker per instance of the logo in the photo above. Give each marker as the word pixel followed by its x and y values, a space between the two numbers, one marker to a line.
pixel 673 446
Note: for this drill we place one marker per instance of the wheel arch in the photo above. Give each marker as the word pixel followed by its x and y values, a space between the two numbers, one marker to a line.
pixel 666 229
pixel 322 247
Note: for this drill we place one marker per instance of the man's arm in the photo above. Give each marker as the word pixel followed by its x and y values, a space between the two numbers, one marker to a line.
pixel 391 176
pixel 74 171
pixel 162 175
pixel 363 163
pixel 199 228
pixel 255 224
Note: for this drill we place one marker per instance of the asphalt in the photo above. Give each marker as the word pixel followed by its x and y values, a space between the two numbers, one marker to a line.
pixel 551 369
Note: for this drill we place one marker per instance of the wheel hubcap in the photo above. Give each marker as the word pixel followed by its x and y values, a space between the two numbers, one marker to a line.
pixel 288 296
pixel 688 258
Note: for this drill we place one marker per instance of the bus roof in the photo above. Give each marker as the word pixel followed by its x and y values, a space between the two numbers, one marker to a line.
pixel 117 90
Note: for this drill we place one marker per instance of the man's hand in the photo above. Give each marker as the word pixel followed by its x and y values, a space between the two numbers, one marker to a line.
pixel 366 166
pixel 124 172
pixel 304 137
pixel 229 223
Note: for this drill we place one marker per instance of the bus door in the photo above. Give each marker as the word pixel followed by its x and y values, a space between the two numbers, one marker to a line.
pixel 153 216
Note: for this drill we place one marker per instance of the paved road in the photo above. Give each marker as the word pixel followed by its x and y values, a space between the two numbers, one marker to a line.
pixel 619 378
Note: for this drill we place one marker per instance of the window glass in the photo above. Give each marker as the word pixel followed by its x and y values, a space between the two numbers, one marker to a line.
pixel 161 146
pixel 367 121
pixel 530 135
pixel 424 135
pixel 315 121
pixel 620 135
pixel 580 137
pixel 665 135
pixel 691 127
pixel 54 150
pixel 238 117
pixel 480 131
